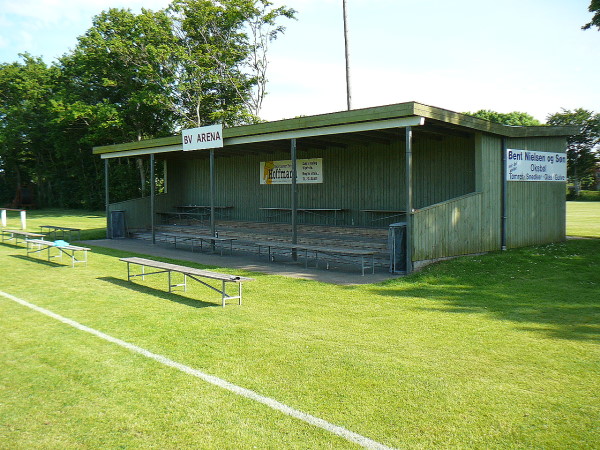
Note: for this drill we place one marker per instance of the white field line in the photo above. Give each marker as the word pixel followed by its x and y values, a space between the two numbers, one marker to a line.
pixel 274 404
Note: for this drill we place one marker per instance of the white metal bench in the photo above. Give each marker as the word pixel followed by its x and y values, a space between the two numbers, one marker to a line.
pixel 194 274
pixel 39 245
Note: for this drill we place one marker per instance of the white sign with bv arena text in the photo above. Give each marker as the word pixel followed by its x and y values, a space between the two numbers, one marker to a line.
pixel 202 138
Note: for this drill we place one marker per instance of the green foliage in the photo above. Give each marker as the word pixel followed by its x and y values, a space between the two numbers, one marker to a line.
pixel 585 196
pixel 130 77
pixel 222 69
pixel 595 22
pixel 26 89
pixel 122 65
pixel 514 118
pixel 582 148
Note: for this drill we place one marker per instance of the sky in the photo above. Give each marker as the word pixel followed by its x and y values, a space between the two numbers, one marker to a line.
pixel 462 55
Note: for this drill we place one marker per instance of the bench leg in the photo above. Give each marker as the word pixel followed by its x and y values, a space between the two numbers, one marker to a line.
pixel 223 295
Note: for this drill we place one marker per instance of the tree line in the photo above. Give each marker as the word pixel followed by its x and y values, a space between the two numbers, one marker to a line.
pixel 130 77
pixel 140 76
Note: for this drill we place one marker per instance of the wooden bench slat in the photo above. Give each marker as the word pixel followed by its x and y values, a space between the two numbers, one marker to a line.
pixel 340 250
pixel 189 272
pixel 185 270
pixel 51 244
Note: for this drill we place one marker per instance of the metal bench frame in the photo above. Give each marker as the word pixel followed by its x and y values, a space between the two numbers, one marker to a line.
pixel 39 245
pixel 367 257
pixel 16 234
pixel 193 238
pixel 190 272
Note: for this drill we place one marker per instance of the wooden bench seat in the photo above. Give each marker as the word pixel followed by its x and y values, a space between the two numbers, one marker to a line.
pixel 193 273
pixel 39 245
pixel 366 257
pixel 9 235
pixel 54 229
pixel 196 238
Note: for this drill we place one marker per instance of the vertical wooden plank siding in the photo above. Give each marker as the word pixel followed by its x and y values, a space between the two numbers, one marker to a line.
pixel 537 210
pixel 444 168
pixel 447 229
pixel 356 177
pixel 137 211
pixel 489 183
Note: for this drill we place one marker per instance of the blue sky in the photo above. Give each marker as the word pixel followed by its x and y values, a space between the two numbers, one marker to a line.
pixel 464 55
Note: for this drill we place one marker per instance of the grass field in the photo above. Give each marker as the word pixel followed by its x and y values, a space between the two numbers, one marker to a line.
pixel 493 351
pixel 583 219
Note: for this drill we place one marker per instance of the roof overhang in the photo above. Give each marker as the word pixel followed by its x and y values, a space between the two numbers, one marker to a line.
pixel 388 117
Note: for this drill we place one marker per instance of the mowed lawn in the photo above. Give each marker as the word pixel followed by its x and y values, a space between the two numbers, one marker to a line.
pixel 493 351
pixel 583 219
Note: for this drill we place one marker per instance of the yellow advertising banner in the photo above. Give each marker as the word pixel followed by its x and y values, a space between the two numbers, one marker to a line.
pixel 280 172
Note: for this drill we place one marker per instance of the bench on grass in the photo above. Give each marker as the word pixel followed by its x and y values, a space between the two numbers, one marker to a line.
pixel 194 274
pixel 64 231
pixel 347 255
pixel 195 239
pixel 9 235
pixel 39 245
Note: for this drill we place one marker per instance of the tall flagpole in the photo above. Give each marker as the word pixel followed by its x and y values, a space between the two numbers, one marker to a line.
pixel 348 95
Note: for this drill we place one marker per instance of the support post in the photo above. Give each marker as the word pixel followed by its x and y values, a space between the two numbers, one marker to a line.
pixel 152 195
pixel 106 199
pixel 409 199
pixel 504 196
pixel 212 195
pixel 294 197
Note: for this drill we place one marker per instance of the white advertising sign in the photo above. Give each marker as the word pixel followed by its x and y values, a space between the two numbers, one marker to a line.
pixel 280 172
pixel 526 165
pixel 202 138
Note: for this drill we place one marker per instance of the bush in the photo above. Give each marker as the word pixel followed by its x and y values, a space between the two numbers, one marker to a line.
pixel 584 196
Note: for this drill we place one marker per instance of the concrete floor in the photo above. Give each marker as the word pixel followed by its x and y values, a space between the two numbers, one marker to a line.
pixel 347 275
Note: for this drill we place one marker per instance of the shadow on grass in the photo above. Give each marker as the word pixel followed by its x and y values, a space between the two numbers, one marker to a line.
pixel 56 213
pixel 44 262
pixel 553 289
pixel 172 297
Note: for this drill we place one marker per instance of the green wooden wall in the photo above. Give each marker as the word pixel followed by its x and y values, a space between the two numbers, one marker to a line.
pixel 536 210
pixel 356 177
pixel 448 228
pixel 137 211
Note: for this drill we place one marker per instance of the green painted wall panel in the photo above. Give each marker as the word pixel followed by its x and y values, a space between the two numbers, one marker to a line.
pixel 489 183
pixel 137 211
pixel 356 177
pixel 537 210
pixel 447 229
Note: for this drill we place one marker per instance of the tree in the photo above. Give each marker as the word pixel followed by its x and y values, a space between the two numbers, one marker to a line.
pixel 595 22
pixel 514 118
pixel 222 50
pixel 25 91
pixel 121 72
pixel 126 61
pixel 582 148
pixel 130 77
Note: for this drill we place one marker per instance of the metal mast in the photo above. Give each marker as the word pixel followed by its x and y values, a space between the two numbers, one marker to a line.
pixel 348 95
